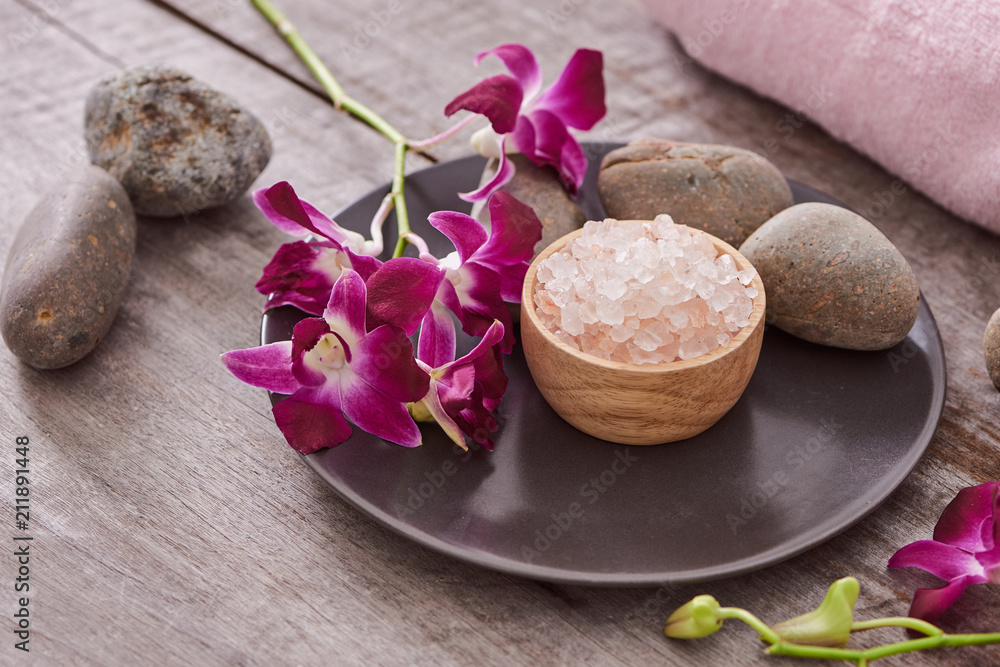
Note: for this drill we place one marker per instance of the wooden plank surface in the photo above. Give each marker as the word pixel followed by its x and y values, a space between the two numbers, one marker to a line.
pixel 172 524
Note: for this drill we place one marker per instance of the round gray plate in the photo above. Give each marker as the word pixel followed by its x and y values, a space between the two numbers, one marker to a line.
pixel 819 439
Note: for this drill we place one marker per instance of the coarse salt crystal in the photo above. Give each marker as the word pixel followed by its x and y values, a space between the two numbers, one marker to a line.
pixel 643 292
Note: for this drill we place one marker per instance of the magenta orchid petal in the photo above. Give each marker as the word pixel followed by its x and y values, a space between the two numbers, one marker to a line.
pixel 577 96
pixel 305 336
pixel 432 402
pixel 436 345
pixel 365 265
pixel 477 421
pixel 267 367
pixel 347 304
pixel 292 278
pixel 379 414
pixel 462 230
pixel 505 172
pixel 544 139
pixel 521 63
pixel 473 294
pixel 942 560
pixel 964 550
pixel 312 419
pixel 285 210
pixel 286 224
pixel 514 231
pixel 929 603
pixel 967 521
pixel 323 224
pixel 489 366
pixel 498 98
pixel 385 361
pixel 401 291
pixel 539 126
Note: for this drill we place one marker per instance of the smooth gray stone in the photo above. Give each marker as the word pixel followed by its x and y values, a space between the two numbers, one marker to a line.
pixel 991 348
pixel 68 269
pixel 176 145
pixel 832 277
pixel 723 190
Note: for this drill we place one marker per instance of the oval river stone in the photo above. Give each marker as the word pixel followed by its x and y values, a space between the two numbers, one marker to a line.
pixel 68 269
pixel 991 348
pixel 832 277
pixel 723 190
pixel 177 145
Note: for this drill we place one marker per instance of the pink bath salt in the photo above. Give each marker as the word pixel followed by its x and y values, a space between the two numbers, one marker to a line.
pixel 643 292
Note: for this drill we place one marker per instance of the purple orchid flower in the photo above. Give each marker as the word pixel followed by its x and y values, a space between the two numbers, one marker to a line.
pixel 539 126
pixel 473 282
pixel 302 273
pixel 965 550
pixel 333 367
pixel 464 392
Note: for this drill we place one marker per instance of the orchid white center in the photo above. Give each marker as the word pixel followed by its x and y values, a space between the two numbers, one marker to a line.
pixel 452 262
pixel 331 262
pixel 329 354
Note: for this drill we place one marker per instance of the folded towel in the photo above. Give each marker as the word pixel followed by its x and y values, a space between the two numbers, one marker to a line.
pixel 914 84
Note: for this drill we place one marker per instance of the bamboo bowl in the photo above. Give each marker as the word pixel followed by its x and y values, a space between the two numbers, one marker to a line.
pixel 639 404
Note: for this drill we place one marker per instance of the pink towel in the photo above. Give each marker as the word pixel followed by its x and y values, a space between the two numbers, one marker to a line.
pixel 914 84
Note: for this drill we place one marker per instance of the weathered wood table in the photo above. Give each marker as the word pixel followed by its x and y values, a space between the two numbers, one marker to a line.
pixel 172 525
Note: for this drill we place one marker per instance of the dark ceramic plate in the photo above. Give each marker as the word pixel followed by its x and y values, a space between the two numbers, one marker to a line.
pixel 819 439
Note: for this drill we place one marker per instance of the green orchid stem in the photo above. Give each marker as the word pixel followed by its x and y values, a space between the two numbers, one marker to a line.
pixel 935 638
pixel 900 622
pixel 399 200
pixel 344 102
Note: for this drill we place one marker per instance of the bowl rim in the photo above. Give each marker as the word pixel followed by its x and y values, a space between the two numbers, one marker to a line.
pixel 756 317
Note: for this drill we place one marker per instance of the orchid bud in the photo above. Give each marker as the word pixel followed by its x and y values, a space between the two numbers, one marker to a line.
pixel 487 142
pixel 698 618
pixel 830 623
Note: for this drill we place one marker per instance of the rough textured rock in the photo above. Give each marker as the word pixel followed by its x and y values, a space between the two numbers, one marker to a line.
pixel 175 144
pixel 68 269
pixel 832 277
pixel 725 191
pixel 541 189
pixel 991 348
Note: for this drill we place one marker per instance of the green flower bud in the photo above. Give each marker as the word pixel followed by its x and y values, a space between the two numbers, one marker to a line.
pixel 830 623
pixel 698 618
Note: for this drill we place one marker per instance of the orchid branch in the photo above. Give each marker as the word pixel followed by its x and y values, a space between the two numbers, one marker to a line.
pixel 703 616
pixel 344 102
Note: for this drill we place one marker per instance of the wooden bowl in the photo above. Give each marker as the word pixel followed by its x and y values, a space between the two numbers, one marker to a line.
pixel 639 404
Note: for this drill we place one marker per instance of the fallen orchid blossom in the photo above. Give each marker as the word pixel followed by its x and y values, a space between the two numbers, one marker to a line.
pixel 537 124
pixel 302 273
pixel 965 550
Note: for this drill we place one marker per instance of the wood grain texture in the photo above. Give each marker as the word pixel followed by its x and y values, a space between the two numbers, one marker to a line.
pixel 173 525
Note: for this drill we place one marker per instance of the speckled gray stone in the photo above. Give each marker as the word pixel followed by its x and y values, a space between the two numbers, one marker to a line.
pixel 832 277
pixel 175 144
pixel 68 269
pixel 991 348
pixel 725 191
pixel 541 189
